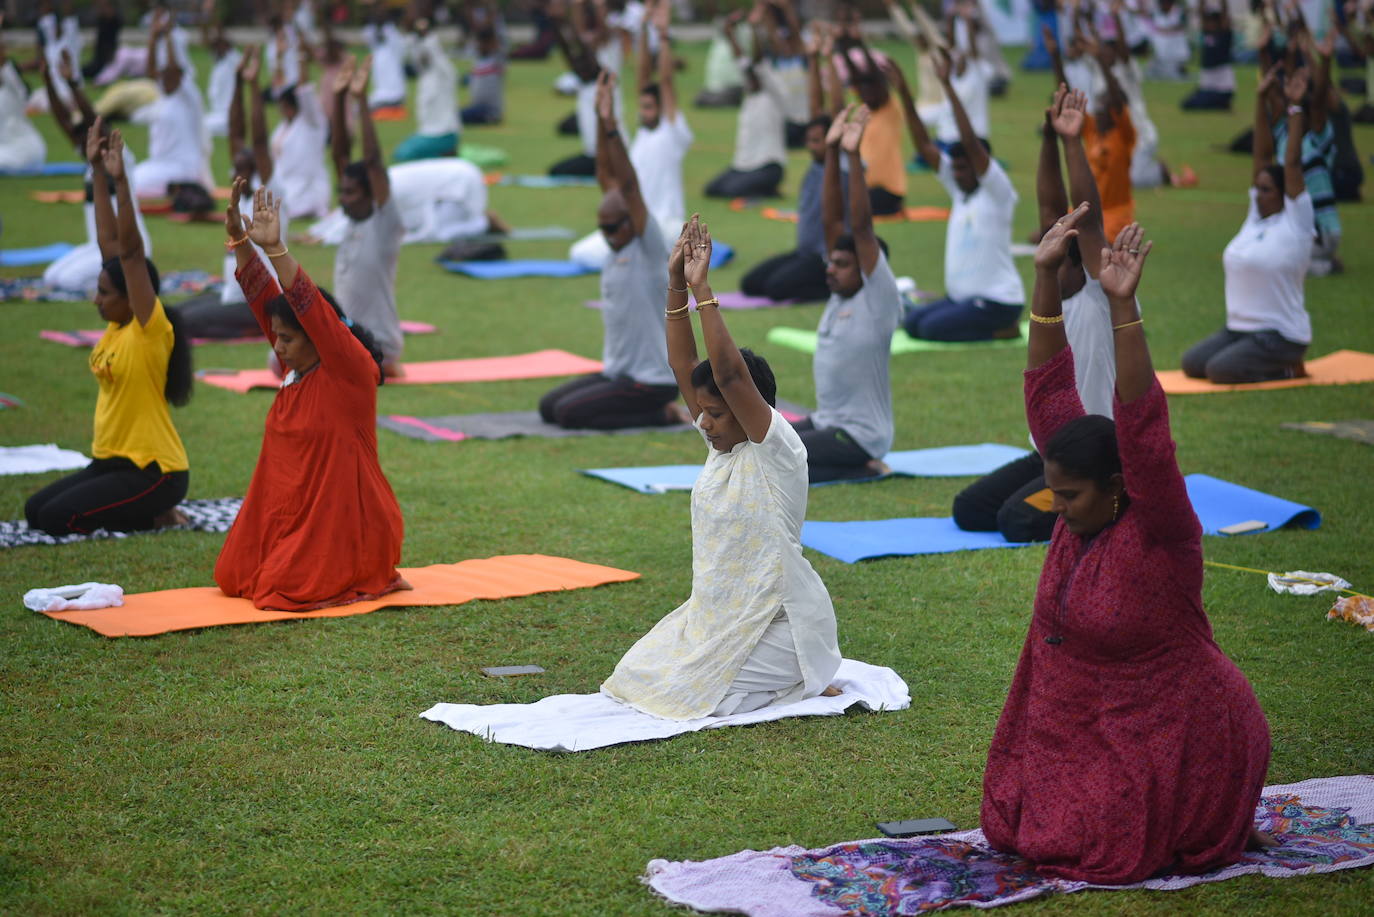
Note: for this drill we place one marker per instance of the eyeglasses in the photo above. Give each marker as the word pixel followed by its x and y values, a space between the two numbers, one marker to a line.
pixel 609 228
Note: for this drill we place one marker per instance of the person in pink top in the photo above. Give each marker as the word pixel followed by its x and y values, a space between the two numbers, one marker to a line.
pixel 1129 742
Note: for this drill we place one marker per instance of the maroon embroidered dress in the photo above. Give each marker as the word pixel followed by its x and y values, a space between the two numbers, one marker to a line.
pixel 320 525
pixel 1135 744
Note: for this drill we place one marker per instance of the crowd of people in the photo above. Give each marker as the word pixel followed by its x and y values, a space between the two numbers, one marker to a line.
pixel 1119 600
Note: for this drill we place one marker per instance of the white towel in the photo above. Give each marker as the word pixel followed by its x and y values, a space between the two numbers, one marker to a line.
pixel 33 459
pixel 580 722
pixel 81 597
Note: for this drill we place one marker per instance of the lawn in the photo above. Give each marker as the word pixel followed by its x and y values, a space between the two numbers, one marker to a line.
pixel 283 767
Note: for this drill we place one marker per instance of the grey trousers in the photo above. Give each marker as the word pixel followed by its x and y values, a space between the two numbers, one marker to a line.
pixel 1232 357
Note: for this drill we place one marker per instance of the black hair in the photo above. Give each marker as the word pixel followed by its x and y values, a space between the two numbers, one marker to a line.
pixel 844 242
pixel 180 371
pixel 1085 447
pixel 822 121
pixel 1275 172
pixel 288 97
pixel 358 172
pixel 280 308
pixel 759 371
pixel 957 150
pixel 652 89
pixel 1075 253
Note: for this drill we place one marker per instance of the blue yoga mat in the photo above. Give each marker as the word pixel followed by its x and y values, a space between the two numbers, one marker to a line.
pixel 940 462
pixel 1220 503
pixel 25 257
pixel 47 168
pixel 502 270
pixel 548 181
pixel 1217 503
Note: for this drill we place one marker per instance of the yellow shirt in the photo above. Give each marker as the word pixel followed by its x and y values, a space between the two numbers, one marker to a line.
pixel 132 419
pixel 881 149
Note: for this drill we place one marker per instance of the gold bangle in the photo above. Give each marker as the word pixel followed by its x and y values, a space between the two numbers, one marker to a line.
pixel 713 301
pixel 1138 321
pixel 676 290
pixel 675 318
pixel 1047 319
pixel 276 254
pixel 235 243
pixel 676 311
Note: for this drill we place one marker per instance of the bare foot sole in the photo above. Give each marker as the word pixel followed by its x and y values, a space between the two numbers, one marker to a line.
pixel 173 516
pixel 1260 840
pixel 831 691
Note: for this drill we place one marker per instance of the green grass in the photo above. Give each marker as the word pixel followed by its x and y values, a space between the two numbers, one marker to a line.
pixel 283 767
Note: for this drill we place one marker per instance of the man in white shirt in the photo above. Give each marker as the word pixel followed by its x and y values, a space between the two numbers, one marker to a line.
pixel 983 291
pixel 436 98
pixel 178 144
pixel 761 135
pixel 384 40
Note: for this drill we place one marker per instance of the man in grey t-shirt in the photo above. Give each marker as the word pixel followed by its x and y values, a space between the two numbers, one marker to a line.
pixel 365 264
pixel 851 428
pixel 635 387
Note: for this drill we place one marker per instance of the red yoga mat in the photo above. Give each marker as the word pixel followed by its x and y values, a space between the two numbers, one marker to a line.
pixel 147 614
pixel 535 365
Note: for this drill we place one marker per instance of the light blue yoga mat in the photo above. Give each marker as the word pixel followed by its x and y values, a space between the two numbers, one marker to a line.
pixel 548 181
pixel 1220 503
pixel 1217 503
pixel 940 462
pixel 24 257
pixel 47 168
pixel 503 270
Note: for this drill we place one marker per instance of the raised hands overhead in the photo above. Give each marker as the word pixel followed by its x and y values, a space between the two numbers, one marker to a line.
pixel 114 156
pixel 1070 111
pixel 357 86
pixel 251 65
pixel 1054 244
pixel 836 132
pixel 265 228
pixel 95 144
pixel 344 76
pixel 697 255
pixel 854 127
pixel 233 217
pixel 1123 263
pixel 1295 86
pixel 605 96
pixel 64 66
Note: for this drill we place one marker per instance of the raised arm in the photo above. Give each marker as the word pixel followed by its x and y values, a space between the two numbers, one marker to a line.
pixel 1056 58
pixel 644 62
pixel 60 112
pixel 620 173
pixel 106 230
pixel 1051 197
pixel 1070 112
pixel 920 138
pixel 372 150
pixel 682 344
pixel 1121 267
pixel 860 210
pixel 262 147
pixel 142 296
pixel 746 64
pixel 1294 88
pixel 1319 59
pixel 340 143
pixel 1047 305
pixel 257 283
pixel 237 129
pixel 977 153
pixel 832 193
pixel 1262 142
pixel 666 88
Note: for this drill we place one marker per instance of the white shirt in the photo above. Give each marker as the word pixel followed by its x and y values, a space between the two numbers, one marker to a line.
pixel 298 157
pixel 440 199
pixel 388 64
pixel 633 284
pixel 220 91
pixel 177 135
pixel 1088 326
pixel 436 90
pixel 1266 264
pixel 21 145
pixel 748 506
pixel 290 58
pixel 971 87
pixel 657 155
pixel 761 132
pixel 978 263
pixel 365 274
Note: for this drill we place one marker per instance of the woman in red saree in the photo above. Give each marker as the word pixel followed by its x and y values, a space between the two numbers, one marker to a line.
pixel 1129 743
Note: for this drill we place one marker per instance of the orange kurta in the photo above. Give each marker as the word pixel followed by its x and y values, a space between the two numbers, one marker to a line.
pixel 1109 155
pixel 320 525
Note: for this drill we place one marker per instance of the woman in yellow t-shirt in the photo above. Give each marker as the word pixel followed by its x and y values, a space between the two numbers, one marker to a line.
pixel 139 471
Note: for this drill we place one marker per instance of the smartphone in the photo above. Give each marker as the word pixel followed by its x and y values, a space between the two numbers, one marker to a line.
pixel 1240 528
pixel 500 671
pixel 915 826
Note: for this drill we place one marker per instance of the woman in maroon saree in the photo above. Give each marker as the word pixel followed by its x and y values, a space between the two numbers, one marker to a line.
pixel 1129 743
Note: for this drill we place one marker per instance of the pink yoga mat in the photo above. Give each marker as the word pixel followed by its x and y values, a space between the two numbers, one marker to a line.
pixel 88 337
pixel 535 365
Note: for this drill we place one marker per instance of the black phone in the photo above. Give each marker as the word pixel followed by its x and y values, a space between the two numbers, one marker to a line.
pixel 915 826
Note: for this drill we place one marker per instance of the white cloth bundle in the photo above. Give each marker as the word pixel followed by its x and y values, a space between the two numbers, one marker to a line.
pixel 33 459
pixel 81 597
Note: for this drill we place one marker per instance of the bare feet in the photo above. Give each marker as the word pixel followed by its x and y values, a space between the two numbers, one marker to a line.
pixel 403 584
pixel 878 467
pixel 392 370
pixel 831 691
pixel 675 413
pixel 1259 840
pixel 173 516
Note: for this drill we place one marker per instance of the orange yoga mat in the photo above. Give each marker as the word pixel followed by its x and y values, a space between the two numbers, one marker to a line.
pixel 1340 368
pixel 534 365
pixel 506 576
pixel 78 197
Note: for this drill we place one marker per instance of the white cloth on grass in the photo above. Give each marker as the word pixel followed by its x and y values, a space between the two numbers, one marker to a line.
pixel 759 627
pixel 81 597
pixel 581 722
pixel 38 458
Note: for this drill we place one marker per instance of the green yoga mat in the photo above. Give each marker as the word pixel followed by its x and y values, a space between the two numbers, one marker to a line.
pixel 485 157
pixel 805 341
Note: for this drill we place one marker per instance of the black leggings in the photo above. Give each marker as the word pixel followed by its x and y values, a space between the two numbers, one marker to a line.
pixel 1012 500
pixel 597 402
pixel 579 164
pixel 831 455
pixel 793 275
pixel 760 182
pixel 113 494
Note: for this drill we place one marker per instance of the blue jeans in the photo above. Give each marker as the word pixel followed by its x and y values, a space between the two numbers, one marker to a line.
pixel 960 320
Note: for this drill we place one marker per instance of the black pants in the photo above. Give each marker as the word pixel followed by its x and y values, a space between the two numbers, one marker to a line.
pixel 793 275
pixel 1235 357
pixel 1207 100
pixel 883 202
pixel 1012 500
pixel 113 494
pixel 796 135
pixel 954 320
pixel 830 454
pixel 204 316
pixel 597 402
pixel 581 164
pixel 760 182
